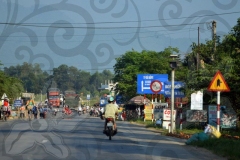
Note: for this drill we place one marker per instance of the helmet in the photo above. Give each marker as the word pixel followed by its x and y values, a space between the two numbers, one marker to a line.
pixel 111 99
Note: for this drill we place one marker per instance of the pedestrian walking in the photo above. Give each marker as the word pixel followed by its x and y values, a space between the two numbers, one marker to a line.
pixel 22 111
pixel 35 111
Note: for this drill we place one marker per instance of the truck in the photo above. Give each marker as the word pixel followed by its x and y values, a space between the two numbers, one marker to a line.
pixel 71 98
pixel 53 96
pixel 26 96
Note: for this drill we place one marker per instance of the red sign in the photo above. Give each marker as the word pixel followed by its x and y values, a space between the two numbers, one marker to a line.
pixel 156 86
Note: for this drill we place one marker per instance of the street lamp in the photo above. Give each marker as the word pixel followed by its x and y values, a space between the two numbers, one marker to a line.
pixel 173 65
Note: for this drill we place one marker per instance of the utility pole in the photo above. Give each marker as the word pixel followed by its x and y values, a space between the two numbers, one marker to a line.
pixel 198 52
pixel 214 37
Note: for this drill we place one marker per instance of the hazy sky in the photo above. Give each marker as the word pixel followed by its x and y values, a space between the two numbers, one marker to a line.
pixel 90 34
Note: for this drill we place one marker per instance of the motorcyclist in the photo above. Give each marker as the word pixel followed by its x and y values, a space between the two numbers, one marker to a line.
pixel 110 112
pixel 79 109
pixel 6 108
pixel 30 104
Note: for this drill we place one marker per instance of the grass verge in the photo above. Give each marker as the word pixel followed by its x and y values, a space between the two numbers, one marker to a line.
pixel 225 147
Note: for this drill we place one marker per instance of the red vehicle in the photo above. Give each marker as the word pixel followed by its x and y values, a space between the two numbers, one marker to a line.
pixel 53 97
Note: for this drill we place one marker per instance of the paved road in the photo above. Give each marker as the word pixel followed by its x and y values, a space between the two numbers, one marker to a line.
pixel 80 138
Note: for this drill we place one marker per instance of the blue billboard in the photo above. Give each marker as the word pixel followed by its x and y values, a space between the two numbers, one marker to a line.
pixel 144 81
pixel 178 86
pixel 103 101
pixel 17 103
pixel 119 99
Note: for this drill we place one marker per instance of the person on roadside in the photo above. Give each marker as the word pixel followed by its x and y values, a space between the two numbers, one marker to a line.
pixel 22 111
pixel 110 112
pixel 123 115
pixel 35 111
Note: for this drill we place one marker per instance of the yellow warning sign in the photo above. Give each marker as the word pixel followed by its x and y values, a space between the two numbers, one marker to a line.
pixel 218 83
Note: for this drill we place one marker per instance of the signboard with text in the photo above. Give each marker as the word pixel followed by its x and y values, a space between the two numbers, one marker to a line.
pixel 167 114
pixel 158 110
pixel 148 112
pixel 228 117
pixel 144 82
pixel 88 97
pixel 197 101
pixel 196 116
pixel 178 86
pixel 17 103
pixel 103 101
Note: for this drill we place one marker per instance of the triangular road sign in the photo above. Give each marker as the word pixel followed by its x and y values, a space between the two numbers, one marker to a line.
pixel 4 95
pixel 218 83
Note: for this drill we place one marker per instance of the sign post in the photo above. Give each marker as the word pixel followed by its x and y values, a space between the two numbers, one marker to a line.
pixel 218 84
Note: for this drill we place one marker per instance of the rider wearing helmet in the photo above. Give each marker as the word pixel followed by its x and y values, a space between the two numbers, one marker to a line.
pixel 110 111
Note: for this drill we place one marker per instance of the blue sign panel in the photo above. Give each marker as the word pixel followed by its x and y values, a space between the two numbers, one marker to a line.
pixel 177 94
pixel 119 99
pixel 178 86
pixel 103 102
pixel 17 103
pixel 144 81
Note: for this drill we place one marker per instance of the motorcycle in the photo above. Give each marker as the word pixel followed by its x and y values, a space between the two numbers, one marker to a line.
pixel 79 113
pixel 66 112
pixel 54 112
pixel 93 113
pixel 110 132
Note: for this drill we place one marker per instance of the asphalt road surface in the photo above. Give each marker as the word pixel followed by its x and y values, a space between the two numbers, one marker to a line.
pixel 80 137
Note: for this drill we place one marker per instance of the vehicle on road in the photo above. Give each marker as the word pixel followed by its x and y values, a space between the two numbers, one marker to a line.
pixel 26 97
pixel 53 96
pixel 71 99
pixel 110 132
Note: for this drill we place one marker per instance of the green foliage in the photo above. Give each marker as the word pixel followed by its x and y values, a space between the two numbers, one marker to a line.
pixel 11 86
pixel 64 77
pixel 132 63
pixel 226 59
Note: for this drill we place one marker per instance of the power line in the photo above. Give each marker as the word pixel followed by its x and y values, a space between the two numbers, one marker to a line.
pixel 207 15
pixel 96 34
pixel 90 27
pixel 103 40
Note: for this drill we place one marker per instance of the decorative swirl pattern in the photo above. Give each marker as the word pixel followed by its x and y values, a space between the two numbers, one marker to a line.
pixel 104 10
pixel 187 20
pixel 32 56
pixel 136 35
pixel 101 54
pixel 84 46
pixel 120 14
pixel 228 6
